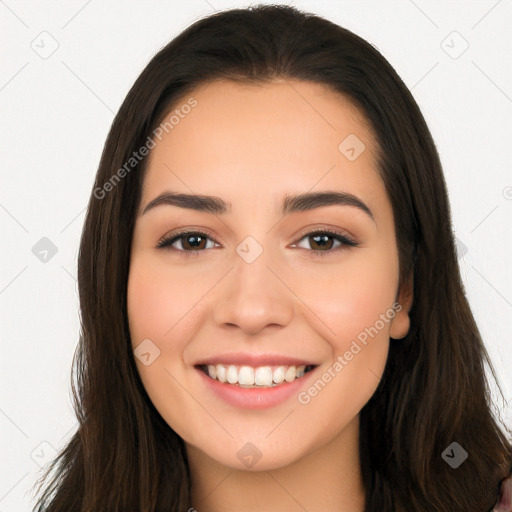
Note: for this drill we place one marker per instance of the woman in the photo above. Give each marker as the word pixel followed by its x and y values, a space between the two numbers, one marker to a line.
pixel 273 368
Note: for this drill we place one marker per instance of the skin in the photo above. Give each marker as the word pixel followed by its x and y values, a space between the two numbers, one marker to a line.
pixel 250 145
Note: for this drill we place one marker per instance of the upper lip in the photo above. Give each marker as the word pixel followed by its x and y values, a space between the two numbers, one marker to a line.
pixel 249 359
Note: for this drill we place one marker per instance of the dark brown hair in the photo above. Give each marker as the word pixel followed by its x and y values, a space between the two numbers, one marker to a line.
pixel 434 391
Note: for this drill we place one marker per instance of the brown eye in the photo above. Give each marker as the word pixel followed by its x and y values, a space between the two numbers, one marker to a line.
pixel 190 241
pixel 322 242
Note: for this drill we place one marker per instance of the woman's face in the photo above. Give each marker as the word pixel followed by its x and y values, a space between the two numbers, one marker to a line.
pixel 253 294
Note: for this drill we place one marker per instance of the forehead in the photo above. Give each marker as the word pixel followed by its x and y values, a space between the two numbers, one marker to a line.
pixel 242 140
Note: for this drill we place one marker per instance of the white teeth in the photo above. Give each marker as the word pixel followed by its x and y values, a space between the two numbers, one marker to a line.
pixel 263 376
pixel 279 374
pixel 221 373
pixel 232 374
pixel 259 376
pixel 246 376
pixel 290 374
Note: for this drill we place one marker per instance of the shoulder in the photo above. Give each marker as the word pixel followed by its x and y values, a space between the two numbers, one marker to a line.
pixel 504 503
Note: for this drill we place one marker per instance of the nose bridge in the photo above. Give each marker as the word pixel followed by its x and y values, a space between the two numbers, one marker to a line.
pixel 252 296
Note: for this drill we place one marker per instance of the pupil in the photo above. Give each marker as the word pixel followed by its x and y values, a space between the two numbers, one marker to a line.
pixel 315 237
pixel 193 237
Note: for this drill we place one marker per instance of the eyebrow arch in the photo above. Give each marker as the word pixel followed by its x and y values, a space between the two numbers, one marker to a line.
pixel 291 204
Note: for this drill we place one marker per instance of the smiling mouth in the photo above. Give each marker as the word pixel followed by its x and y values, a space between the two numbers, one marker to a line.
pixel 255 376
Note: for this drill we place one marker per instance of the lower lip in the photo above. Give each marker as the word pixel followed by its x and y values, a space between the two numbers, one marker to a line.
pixel 254 398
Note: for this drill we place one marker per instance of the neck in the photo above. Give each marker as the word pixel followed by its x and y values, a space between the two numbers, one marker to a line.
pixel 327 479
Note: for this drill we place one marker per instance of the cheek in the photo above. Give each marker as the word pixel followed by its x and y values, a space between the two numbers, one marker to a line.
pixel 352 299
pixel 154 313
pixel 356 307
pixel 154 304
pixel 163 309
pixel 145 303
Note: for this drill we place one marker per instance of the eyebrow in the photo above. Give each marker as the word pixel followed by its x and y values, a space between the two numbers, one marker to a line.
pixel 290 204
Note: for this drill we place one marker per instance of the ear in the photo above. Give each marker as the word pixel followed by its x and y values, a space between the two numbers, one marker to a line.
pixel 401 323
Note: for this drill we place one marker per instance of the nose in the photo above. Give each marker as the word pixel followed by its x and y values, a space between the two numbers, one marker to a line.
pixel 253 296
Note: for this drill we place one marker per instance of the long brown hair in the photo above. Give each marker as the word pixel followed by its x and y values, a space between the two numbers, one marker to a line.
pixel 434 390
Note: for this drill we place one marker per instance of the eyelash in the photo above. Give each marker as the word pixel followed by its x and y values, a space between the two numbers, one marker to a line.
pixel 346 241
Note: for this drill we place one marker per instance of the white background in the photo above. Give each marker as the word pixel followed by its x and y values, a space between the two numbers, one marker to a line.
pixel 55 116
